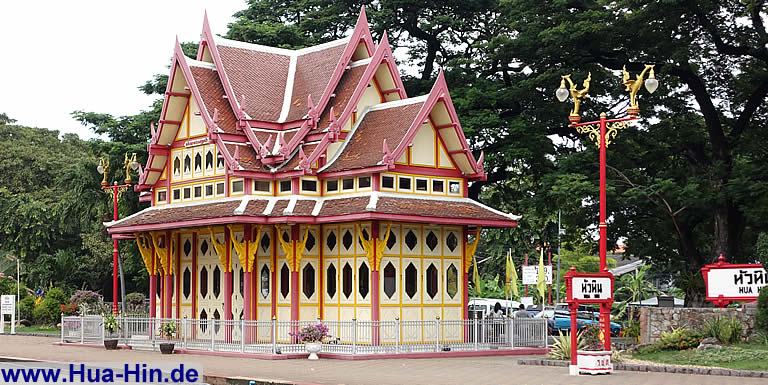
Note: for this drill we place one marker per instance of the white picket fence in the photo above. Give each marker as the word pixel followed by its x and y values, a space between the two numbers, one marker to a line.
pixel 346 337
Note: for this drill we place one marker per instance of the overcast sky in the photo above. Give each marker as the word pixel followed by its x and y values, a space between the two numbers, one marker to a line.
pixel 61 56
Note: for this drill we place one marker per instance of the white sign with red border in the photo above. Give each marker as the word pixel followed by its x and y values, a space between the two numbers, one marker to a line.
pixel 591 288
pixel 531 274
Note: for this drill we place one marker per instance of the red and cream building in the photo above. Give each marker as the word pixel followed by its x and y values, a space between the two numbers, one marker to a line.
pixel 306 184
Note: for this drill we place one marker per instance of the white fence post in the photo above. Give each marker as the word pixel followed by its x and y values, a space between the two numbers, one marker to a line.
pixel 62 328
pixel 511 332
pixel 274 335
pixel 399 335
pixel 184 333
pixel 545 332
pixel 82 329
pixel 103 330
pixel 354 335
pixel 437 334
pixel 477 332
pixel 212 328
pixel 242 336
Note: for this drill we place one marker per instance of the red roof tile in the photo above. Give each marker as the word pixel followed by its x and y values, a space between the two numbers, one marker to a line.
pixel 212 92
pixel 343 93
pixel 260 76
pixel 313 72
pixel 365 144
pixel 436 208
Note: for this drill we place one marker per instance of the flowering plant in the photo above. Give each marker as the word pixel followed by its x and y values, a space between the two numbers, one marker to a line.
pixel 312 333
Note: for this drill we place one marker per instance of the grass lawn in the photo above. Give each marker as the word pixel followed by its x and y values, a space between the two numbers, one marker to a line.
pixel 742 357
pixel 38 329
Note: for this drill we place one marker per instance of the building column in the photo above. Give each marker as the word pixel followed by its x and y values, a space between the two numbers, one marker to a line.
pixel 375 308
pixel 167 297
pixel 247 282
pixel 294 285
pixel 177 276
pixel 152 295
pixel 227 278
pixel 273 273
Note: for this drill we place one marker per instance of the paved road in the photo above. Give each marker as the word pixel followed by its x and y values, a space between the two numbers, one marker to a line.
pixel 448 371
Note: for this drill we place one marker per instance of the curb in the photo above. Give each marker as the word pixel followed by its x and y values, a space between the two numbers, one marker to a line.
pixel 657 368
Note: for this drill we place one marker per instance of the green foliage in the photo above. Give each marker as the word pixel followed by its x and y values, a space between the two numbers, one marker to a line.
pixel 590 335
pixel 632 288
pixel 492 288
pixel 746 357
pixel 110 323
pixel 761 318
pixel 561 348
pixel 48 311
pixel 168 329
pixel 725 330
pixel 26 307
pixel 678 339
pixel 8 286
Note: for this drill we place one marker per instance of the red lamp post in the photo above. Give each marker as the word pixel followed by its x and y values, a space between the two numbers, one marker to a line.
pixel 602 132
pixel 115 190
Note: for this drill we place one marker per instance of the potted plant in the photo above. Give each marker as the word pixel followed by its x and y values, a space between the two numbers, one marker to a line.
pixel 110 326
pixel 168 331
pixel 592 358
pixel 313 336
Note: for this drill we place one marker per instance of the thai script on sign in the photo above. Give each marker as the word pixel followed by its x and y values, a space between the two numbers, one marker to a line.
pixel 750 277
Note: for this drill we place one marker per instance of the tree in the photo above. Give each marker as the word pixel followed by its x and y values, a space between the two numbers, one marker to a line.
pixel 634 287
pixel 4 119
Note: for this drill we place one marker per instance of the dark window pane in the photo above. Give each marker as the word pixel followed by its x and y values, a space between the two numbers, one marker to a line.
pixel 308 280
pixel 176 165
pixel 237 186
pixel 187 163
pixel 209 190
pixel 431 241
pixel 265 281
pixel 348 184
pixel 265 242
pixel 285 185
pixel 432 281
pixel 219 188
pixel 198 162
pixel 242 280
pixel 187 192
pixel 363 280
pixel 330 240
pixel 452 241
pixel 204 246
pixel 332 185
pixel 285 281
pixel 309 185
pixel 216 281
pixel 404 183
pixel 388 182
pixel 438 186
pixel 364 182
pixel 187 247
pixel 411 240
pixel 198 191
pixel 411 280
pixel 209 160
pixel 347 239
pixel 452 281
pixel 330 283
pixel 203 282
pixel 392 240
pixel 311 241
pixel 187 282
pixel 421 185
pixel 390 280
pixel 454 187
pixel 261 185
pixel 346 280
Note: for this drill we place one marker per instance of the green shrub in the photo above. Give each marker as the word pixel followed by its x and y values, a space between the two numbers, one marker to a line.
pixel 678 339
pixel 725 330
pixel 761 319
pixel 26 306
pixel 561 348
pixel 48 311
pixel 590 334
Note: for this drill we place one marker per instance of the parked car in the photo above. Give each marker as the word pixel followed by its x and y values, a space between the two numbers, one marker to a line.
pixel 561 322
pixel 484 306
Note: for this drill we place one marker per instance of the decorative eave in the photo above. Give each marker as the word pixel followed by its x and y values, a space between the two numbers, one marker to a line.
pixel 439 92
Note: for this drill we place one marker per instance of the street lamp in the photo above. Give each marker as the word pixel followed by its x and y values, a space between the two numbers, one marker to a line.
pixel 115 190
pixel 602 132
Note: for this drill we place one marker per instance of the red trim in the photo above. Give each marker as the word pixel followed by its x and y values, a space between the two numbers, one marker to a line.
pixel 171 122
pixel 382 55
pixel 152 295
pixel 210 43
pixel 179 94
pixel 359 171
pixel 178 276
pixel 722 264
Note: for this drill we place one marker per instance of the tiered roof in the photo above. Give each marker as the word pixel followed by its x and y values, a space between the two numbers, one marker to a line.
pixel 273 113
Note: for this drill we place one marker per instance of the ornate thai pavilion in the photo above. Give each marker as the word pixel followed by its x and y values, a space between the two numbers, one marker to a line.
pixel 306 184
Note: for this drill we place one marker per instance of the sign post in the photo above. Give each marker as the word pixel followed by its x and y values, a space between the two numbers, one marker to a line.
pixel 728 282
pixel 8 307
pixel 590 288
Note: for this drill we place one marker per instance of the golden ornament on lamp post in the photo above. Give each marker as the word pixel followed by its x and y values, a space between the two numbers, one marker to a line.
pixel 603 132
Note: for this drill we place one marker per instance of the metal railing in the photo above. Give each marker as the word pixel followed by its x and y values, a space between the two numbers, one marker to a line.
pixel 346 337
